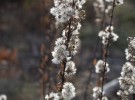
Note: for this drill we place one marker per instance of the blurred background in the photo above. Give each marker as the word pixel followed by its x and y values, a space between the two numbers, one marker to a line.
pixel 27 36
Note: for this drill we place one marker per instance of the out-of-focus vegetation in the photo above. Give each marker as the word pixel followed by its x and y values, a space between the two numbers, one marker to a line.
pixel 27 24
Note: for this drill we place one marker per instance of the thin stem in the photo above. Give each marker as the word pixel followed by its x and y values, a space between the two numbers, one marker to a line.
pixel 112 14
pixel 95 49
pixel 63 75
pixel 105 55
pixel 63 66
pixel 106 50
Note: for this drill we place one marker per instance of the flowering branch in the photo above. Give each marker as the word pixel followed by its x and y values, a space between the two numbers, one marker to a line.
pixel 70 13
pixel 107 37
pixel 127 78
pixel 95 50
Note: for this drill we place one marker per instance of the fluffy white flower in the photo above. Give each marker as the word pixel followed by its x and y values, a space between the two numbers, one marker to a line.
pixel 68 91
pixel 127 79
pixel 64 9
pixel 52 96
pixel 100 67
pixel 3 97
pixel 128 70
pixel 79 26
pixel 70 68
pixel 104 98
pixel 130 54
pixel 107 35
pixel 76 31
pixel 114 36
pixel 119 2
pixel 60 41
pixel 123 94
pixel 96 92
pixel 62 12
pixel 80 3
pixel 108 9
pixel 104 35
pixel 74 44
pixel 132 42
pixel 127 83
pixel 59 54
pixel 57 2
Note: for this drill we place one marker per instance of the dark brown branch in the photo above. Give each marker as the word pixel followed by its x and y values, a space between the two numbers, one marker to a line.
pixel 106 50
pixel 63 65
pixel 95 50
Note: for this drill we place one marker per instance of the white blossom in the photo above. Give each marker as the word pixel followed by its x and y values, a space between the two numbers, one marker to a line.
pixel 62 13
pixel 108 9
pixel 130 54
pixel 74 44
pixel 107 35
pixel 100 67
pixel 132 43
pixel 127 83
pixel 127 78
pixel 104 98
pixel 68 91
pixel 52 96
pixel 97 92
pixel 3 97
pixel 70 12
pixel 63 10
pixel 128 70
pixel 70 68
pixel 59 54
pixel 123 94
pixel 60 41
pixel 119 2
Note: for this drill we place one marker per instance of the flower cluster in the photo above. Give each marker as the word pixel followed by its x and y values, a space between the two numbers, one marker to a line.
pixel 97 92
pixel 68 91
pixel 70 13
pixel 123 94
pixel 52 96
pixel 130 51
pixel 101 67
pixel 70 68
pixel 63 10
pixel 69 43
pixel 127 78
pixel 108 35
